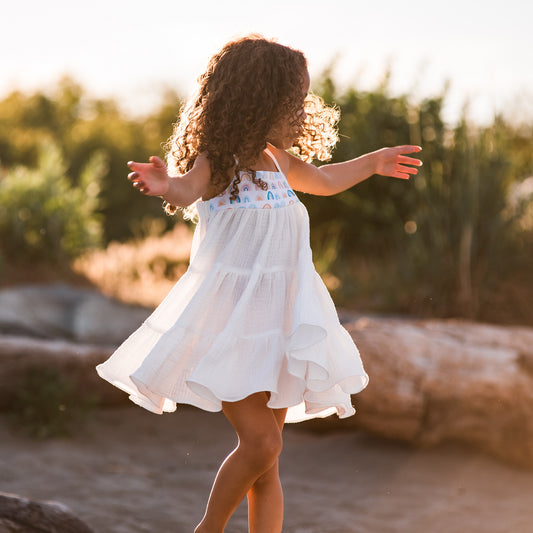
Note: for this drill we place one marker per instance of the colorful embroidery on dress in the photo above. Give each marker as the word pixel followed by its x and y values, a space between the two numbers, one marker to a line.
pixel 251 196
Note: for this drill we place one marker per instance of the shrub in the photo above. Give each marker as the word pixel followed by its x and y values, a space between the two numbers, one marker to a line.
pixel 446 242
pixel 48 404
pixel 43 217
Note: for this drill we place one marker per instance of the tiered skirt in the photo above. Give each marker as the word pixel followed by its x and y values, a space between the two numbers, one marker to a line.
pixel 250 314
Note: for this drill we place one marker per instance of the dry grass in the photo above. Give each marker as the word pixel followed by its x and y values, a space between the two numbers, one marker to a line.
pixel 144 270
pixel 139 272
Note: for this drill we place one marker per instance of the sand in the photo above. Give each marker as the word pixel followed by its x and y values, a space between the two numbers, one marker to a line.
pixel 129 471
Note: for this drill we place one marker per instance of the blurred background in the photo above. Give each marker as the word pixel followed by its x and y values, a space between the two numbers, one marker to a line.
pixel 86 87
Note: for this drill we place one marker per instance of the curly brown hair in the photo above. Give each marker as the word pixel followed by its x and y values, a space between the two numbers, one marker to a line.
pixel 251 85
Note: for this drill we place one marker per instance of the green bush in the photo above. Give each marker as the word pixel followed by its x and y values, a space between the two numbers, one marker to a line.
pixel 43 217
pixel 47 404
pixel 448 242
pixel 82 126
pixel 445 243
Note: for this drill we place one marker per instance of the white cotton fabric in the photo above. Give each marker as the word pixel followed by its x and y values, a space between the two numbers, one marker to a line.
pixel 250 314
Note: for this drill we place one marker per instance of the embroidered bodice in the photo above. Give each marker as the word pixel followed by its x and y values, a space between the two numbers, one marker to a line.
pixel 252 196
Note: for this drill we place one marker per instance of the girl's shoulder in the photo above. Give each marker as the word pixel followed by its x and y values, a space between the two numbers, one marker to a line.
pixel 212 186
pixel 282 158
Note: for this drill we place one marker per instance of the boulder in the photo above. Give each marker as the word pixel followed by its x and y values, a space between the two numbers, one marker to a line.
pixel 433 381
pixel 61 311
pixel 19 355
pixel 19 515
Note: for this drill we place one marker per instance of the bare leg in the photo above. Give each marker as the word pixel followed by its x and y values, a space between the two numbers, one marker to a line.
pixel 256 453
pixel 265 497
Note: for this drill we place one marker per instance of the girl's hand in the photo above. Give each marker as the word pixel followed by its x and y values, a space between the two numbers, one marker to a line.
pixel 391 161
pixel 149 178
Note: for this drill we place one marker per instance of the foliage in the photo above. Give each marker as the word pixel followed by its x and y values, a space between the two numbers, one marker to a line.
pixel 141 271
pixel 48 404
pixel 456 240
pixel 447 240
pixel 80 127
pixel 43 216
pixel 466 231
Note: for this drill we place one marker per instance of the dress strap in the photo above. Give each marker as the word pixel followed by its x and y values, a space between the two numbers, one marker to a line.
pixel 271 155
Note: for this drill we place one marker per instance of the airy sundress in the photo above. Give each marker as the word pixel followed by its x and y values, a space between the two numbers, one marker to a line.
pixel 250 314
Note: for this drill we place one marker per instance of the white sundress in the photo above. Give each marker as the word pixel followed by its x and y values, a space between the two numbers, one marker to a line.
pixel 250 314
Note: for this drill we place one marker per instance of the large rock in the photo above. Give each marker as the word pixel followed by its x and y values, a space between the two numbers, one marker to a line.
pixel 60 311
pixel 20 355
pixel 62 328
pixel 430 380
pixel 19 515
pixel 444 380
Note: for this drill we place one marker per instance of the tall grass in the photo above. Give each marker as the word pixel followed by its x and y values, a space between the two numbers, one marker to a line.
pixel 456 240
pixel 143 270
pixel 451 241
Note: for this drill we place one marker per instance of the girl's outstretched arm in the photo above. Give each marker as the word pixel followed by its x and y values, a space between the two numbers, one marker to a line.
pixel 337 177
pixel 152 179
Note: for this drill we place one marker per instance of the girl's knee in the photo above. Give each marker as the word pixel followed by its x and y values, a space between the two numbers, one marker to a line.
pixel 273 445
pixel 269 445
pixel 262 448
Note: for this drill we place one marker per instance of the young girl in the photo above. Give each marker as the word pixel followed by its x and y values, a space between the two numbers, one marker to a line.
pixel 250 329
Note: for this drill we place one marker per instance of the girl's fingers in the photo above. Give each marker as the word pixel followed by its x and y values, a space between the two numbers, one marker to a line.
pixel 402 159
pixel 401 175
pixel 156 161
pixel 408 170
pixel 404 172
pixel 409 148
pixel 133 176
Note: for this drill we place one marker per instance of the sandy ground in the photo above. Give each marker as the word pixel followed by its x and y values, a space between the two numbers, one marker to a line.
pixel 129 471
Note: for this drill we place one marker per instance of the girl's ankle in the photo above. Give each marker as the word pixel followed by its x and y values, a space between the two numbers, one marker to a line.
pixel 202 528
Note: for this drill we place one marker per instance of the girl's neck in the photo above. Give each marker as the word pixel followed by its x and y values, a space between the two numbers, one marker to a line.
pixel 264 162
